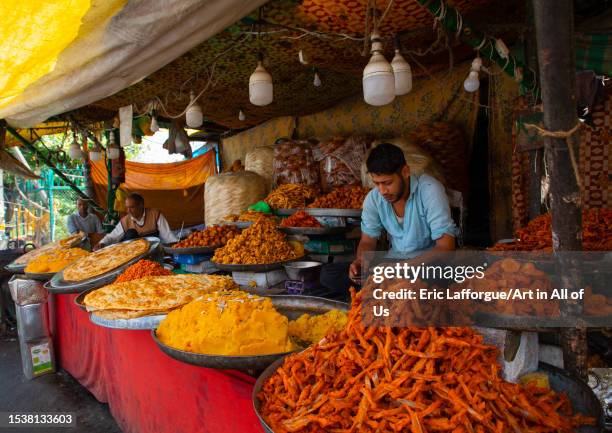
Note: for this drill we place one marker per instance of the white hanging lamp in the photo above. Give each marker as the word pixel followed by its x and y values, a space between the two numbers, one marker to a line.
pixel 401 71
pixel 261 89
pixel 241 115
pixel 378 80
pixel 194 117
pixel 317 79
pixel 154 125
pixel 472 82
pixel 112 150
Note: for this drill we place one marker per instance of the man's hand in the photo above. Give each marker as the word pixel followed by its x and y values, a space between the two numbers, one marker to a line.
pixel 355 269
pixel 99 246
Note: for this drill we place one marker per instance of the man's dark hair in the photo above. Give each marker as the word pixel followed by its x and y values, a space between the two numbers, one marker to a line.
pixel 386 158
pixel 137 198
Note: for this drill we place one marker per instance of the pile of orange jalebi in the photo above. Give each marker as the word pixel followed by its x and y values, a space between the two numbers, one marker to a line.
pixel 415 380
pixel 141 269
pixel 301 219
pixel 344 197
pixel 537 234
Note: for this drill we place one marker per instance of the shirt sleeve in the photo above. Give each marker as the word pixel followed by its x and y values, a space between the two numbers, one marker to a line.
pixel 437 210
pixel 371 224
pixel 114 236
pixel 72 228
pixel 165 234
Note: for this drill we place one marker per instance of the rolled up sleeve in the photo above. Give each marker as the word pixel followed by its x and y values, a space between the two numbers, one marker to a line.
pixel 437 210
pixel 371 224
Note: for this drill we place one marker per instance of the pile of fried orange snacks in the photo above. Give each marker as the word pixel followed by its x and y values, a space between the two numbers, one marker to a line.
pixel 301 219
pixel 345 197
pixel 537 234
pixel 415 380
pixel 141 269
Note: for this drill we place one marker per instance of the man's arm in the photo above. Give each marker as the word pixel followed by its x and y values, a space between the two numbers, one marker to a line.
pixel 72 228
pixel 111 238
pixel 165 234
pixel 366 244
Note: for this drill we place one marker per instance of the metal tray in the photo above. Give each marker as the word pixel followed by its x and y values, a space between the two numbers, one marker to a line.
pixel 58 285
pixel 43 276
pixel 136 324
pixel 191 250
pixel 314 231
pixel 19 268
pixel 15 268
pixel 252 268
pixel 581 396
pixel 353 213
pixel 290 306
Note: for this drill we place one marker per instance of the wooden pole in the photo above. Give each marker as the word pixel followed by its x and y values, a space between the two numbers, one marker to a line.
pixel 554 23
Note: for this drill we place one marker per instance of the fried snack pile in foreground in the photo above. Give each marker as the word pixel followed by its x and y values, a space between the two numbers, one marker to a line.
pixel 345 197
pixel 301 219
pixel 54 261
pixel 227 323
pixel 537 234
pixel 105 260
pixel 406 379
pixel 152 295
pixel 140 269
pixel 210 236
pixel 312 329
pixel 259 244
pixel 291 196
pixel 52 247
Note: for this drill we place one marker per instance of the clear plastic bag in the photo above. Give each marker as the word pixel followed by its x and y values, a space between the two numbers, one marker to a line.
pixel 340 161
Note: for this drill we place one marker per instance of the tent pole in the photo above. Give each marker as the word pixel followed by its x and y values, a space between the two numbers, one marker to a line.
pixel 554 24
pixel 58 172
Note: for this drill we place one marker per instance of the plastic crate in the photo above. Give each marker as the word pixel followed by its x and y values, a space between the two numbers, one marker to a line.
pixel 191 259
pixel 330 247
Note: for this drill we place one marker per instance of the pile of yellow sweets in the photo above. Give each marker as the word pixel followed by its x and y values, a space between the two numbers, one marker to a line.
pixel 236 323
pixel 55 261
pixel 259 244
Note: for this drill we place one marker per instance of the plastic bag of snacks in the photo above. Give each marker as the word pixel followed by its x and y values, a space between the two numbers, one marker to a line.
pixel 294 163
pixel 340 161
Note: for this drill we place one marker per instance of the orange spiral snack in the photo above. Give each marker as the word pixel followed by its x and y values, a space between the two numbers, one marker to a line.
pixel 141 269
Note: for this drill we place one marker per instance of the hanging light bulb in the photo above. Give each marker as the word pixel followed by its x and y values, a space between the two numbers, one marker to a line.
pixel 302 57
pixel 75 151
pixel 317 80
pixel 378 79
pixel 112 150
pixel 472 82
pixel 194 116
pixel 154 125
pixel 95 154
pixel 241 116
pixel 261 91
pixel 401 71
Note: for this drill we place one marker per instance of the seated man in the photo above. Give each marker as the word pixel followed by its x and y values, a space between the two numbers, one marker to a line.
pixel 139 222
pixel 413 210
pixel 83 220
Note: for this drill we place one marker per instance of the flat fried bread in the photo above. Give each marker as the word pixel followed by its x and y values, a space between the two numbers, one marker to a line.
pixel 105 260
pixel 158 294
pixel 62 243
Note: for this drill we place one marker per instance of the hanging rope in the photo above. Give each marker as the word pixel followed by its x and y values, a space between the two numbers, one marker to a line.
pixel 567 136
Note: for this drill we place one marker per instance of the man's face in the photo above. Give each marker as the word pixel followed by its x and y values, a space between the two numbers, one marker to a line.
pixel 82 208
pixel 134 209
pixel 392 186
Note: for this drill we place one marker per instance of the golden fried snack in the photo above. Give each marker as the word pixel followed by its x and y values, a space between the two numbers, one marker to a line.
pixel 291 196
pixel 346 197
pixel 210 236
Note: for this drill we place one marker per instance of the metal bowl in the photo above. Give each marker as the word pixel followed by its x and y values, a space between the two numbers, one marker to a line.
pixel 304 271
pixel 290 306
pixel 581 396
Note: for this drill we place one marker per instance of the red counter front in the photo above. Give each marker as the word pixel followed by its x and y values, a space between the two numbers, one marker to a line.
pixel 147 391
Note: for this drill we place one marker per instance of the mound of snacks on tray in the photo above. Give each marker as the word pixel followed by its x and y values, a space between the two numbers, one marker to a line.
pixel 54 261
pixel 50 248
pixel 210 236
pixel 301 219
pixel 406 379
pixel 248 216
pixel 312 329
pixel 140 269
pixel 537 234
pixel 260 243
pixel 291 196
pixel 346 197
pixel 227 323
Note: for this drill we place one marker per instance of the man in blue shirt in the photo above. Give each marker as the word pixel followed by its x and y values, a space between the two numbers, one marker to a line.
pixel 83 220
pixel 413 210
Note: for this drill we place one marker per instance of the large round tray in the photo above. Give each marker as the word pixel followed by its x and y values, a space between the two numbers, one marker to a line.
pixel 349 213
pixel 41 276
pixel 252 268
pixel 314 231
pixel 58 285
pixel 288 305
pixel 581 396
pixel 19 268
pixel 191 250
